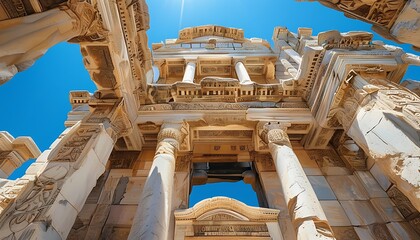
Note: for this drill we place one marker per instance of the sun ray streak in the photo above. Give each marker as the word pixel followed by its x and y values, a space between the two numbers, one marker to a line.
pixel 182 14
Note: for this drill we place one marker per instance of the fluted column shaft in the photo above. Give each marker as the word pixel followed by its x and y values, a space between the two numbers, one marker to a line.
pixel 152 220
pixel 304 208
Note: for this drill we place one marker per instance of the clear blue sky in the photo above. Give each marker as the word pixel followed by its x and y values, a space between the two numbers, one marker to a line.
pixel 35 103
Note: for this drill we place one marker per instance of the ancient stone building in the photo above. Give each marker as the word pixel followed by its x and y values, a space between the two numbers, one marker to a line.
pixel 397 20
pixel 317 124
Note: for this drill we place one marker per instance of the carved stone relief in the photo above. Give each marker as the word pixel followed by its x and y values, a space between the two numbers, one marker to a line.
pixel 403 203
pixel 183 163
pixel 382 12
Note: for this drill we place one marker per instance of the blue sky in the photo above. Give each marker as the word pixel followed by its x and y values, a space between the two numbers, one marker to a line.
pixel 35 102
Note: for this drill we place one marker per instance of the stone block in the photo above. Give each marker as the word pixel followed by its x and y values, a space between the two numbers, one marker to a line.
pixel 329 162
pixel 402 230
pixel 121 215
pixel 373 232
pixel 403 203
pixel 386 208
pixel 181 190
pixel 37 230
pixel 35 168
pixel 321 187
pixel 347 188
pixel 335 213
pixel 78 186
pixel 363 233
pixel 372 187
pixel 118 233
pixel 345 233
pixel 62 215
pixel 274 192
pixel 309 165
pixel 133 190
pixel 103 146
pixel 3 174
pixel 380 177
pixel 116 173
pixel 142 173
pixel 43 158
pixel 8 167
pixel 98 221
pixel 361 213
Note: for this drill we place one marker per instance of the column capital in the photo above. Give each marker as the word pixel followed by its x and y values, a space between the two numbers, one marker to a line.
pixel 88 21
pixel 173 134
pixel 237 60
pixel 190 60
pixel 275 132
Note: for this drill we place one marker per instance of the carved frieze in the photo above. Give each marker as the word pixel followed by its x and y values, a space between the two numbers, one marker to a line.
pixel 195 32
pixel 214 89
pixel 264 162
pixel 326 158
pixel 98 62
pixel 123 159
pixel 20 8
pixel 72 146
pixel 403 203
pixel 28 207
pixel 383 12
pixel 350 40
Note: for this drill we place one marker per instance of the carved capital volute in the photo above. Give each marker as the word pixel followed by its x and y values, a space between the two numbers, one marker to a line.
pixel 275 133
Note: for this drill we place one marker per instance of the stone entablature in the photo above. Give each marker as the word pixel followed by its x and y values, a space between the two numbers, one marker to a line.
pixel 213 89
pixel 189 34
pixel 18 8
pixel 14 152
pixel 261 67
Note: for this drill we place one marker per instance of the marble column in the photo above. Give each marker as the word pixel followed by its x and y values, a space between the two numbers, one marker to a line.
pixel 292 54
pixel 152 220
pixel 189 72
pixel 23 40
pixel 306 213
pixel 242 73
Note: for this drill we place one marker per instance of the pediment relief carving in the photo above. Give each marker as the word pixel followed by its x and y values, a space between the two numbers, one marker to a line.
pixel 234 208
pixel 222 215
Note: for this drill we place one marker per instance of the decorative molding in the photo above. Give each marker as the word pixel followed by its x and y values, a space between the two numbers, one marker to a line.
pixel 231 206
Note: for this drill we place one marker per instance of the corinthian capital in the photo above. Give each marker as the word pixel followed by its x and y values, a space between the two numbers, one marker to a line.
pixel 88 21
pixel 275 132
pixel 173 133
